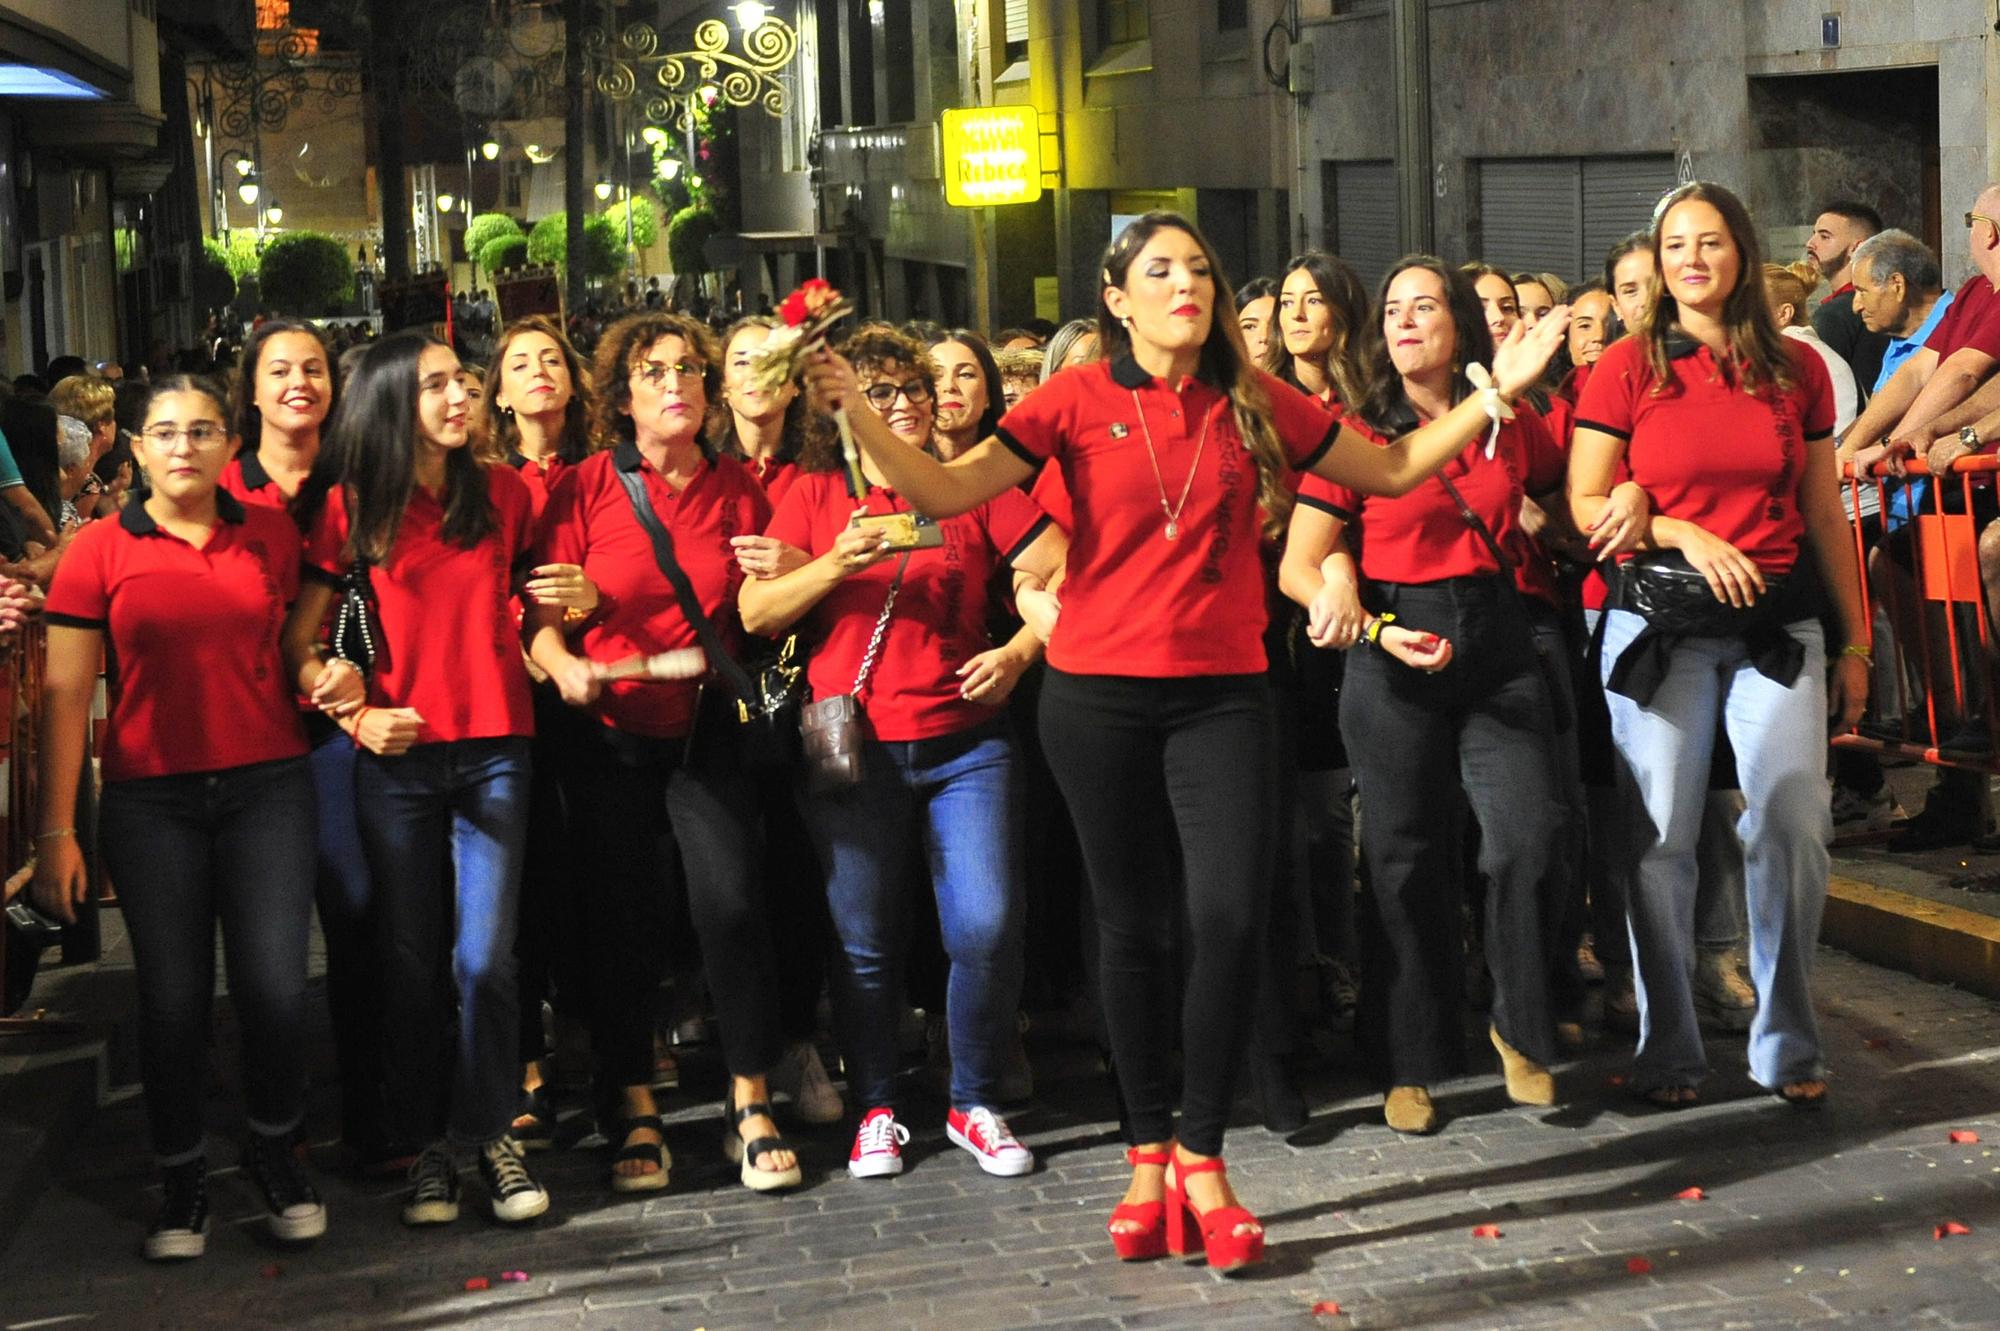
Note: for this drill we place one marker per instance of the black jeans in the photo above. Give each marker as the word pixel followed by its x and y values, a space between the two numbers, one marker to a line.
pixel 643 816
pixel 548 948
pixel 1424 748
pixel 1142 760
pixel 236 846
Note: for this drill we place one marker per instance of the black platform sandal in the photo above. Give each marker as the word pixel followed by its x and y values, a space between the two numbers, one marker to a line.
pixel 652 1181
pixel 738 1151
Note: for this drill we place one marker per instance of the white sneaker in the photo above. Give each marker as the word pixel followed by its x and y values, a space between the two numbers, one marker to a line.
pixel 986 1135
pixel 878 1145
pixel 510 1188
pixel 1723 999
pixel 1854 812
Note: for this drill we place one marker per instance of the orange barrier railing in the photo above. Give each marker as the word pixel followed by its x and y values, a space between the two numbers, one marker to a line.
pixel 1940 709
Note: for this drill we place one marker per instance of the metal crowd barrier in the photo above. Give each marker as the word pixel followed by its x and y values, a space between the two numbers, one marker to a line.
pixel 1940 663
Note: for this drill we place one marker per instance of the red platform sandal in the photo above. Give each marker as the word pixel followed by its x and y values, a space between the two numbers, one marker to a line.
pixel 1225 1249
pixel 1150 1239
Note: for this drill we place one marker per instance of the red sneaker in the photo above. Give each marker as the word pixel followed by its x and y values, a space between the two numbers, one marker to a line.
pixel 878 1145
pixel 985 1134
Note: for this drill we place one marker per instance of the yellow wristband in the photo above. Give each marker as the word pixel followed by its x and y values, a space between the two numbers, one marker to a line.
pixel 1373 633
pixel 1857 649
pixel 55 834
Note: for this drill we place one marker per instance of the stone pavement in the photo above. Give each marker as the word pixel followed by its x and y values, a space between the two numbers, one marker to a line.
pixel 1807 1219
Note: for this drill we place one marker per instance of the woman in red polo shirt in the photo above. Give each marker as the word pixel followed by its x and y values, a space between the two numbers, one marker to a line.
pixel 1474 712
pixel 767 433
pixel 401 514
pixel 646 811
pixel 535 418
pixel 1156 712
pixel 203 819
pixel 1724 428
pixel 283 394
pixel 939 768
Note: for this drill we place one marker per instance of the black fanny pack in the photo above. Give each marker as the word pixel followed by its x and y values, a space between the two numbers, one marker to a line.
pixel 1673 597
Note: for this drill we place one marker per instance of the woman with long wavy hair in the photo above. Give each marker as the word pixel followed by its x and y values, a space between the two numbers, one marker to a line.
pixel 651 804
pixel 1722 430
pixel 1464 723
pixel 1156 713
pixel 1321 313
pixel 401 516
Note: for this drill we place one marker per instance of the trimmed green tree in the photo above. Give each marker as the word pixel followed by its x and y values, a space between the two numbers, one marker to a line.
pixel 305 273
pixel 688 235
pixel 645 222
pixel 486 228
pixel 604 248
pixel 503 252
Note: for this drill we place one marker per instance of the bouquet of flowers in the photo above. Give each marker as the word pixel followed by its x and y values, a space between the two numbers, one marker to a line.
pixel 809 314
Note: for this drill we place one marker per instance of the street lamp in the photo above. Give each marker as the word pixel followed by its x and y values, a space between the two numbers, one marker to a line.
pixel 247 190
pixel 669 167
pixel 750 14
pixel 274 212
pixel 244 166
pixel 446 202
pixel 490 150
pixel 603 188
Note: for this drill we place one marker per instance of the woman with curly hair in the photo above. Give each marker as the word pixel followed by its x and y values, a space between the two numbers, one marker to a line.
pixel 903 630
pixel 649 804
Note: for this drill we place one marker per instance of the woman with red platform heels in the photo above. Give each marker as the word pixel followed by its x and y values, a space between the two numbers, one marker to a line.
pixel 1156 712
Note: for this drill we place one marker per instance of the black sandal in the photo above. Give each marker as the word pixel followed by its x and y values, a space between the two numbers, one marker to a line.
pixel 651 1181
pixel 738 1151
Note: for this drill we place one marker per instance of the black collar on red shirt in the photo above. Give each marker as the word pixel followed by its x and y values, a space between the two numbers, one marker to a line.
pixel 252 467
pixel 516 459
pixel 135 519
pixel 1127 373
pixel 1680 346
pixel 626 457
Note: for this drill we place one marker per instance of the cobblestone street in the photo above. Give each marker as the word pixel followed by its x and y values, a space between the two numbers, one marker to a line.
pixel 1804 1219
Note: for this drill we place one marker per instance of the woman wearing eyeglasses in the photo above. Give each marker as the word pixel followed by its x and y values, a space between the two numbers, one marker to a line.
pixel 939 765
pixel 443 717
pixel 208 809
pixel 660 791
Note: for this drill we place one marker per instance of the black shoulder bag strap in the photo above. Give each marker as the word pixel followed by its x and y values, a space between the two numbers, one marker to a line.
pixel 705 631
pixel 1559 705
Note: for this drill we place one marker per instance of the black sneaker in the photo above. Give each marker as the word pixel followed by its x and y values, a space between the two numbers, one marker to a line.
pixel 180 1231
pixel 509 1186
pixel 433 1195
pixel 296 1211
pixel 1937 825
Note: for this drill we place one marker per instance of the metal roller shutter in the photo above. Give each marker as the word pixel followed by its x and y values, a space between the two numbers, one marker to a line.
pixel 1361 216
pixel 1530 215
pixel 1618 198
pixel 1015 16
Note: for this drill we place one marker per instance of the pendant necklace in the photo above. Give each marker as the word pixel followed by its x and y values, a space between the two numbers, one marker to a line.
pixel 1173 514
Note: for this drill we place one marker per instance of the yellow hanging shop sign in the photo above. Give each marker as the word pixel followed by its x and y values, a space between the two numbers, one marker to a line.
pixel 993 155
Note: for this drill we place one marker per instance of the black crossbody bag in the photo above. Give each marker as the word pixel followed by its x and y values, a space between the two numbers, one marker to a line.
pixel 755 723
pixel 1560 710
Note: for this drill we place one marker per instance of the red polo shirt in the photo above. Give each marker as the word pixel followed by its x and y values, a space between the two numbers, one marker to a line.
pixel 1134 602
pixel 939 622
pixel 1421 536
pixel 245 477
pixel 590 522
pixel 196 680
pixel 1708 452
pixel 450 647
pixel 540 476
pixel 1972 321
pixel 775 476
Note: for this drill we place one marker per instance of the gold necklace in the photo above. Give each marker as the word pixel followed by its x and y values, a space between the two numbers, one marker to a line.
pixel 1174 513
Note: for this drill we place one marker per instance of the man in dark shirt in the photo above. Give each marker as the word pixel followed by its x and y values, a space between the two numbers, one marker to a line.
pixel 1841 226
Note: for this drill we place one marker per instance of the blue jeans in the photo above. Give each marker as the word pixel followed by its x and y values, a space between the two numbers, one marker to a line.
pixel 445 826
pixel 185 851
pixel 1779 735
pixel 346 897
pixel 958 794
